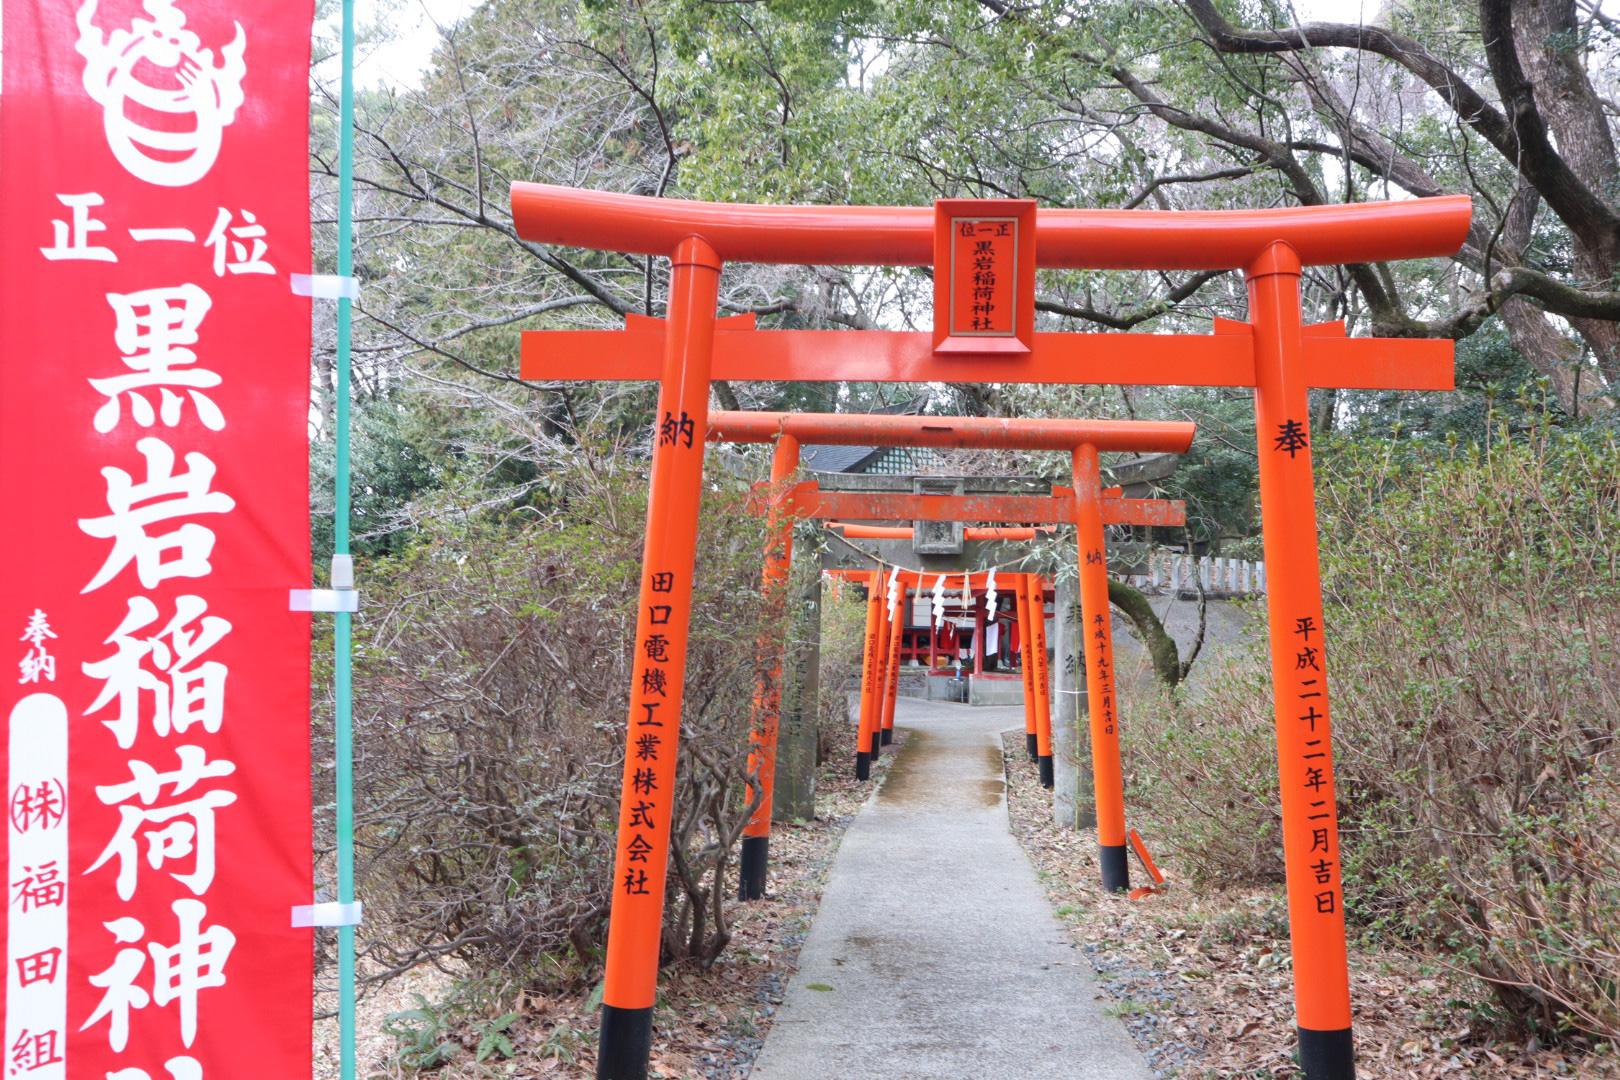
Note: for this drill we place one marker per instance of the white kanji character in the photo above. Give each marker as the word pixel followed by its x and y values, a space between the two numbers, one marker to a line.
pixel 179 1068
pixel 162 496
pixel 239 259
pixel 38 629
pixel 147 783
pixel 162 68
pixel 184 828
pixel 154 329
pixel 171 233
pixel 118 980
pixel 194 963
pixel 39 663
pixel 35 666
pixel 71 238
pixel 189 694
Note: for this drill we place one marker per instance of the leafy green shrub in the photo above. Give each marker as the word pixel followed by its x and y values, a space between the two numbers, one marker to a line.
pixel 1473 617
pixel 423 1035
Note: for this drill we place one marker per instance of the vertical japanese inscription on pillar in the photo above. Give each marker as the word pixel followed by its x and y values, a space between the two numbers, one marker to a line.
pixel 647 781
pixel 1304 683
pixel 1309 690
pixel 984 275
pixel 1102 663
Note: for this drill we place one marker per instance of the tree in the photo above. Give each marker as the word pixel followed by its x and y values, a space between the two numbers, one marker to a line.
pixel 1547 123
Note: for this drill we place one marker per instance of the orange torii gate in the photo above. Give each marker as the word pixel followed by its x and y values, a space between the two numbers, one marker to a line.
pixel 1116 510
pixel 1027 590
pixel 1081 440
pixel 985 254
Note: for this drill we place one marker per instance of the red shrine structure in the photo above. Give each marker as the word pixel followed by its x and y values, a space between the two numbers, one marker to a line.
pixel 984 255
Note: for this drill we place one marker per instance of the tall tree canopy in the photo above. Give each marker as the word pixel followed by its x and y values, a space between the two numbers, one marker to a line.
pixel 1094 103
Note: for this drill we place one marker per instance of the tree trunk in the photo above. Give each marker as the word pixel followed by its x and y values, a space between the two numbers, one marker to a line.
pixel 1553 355
pixel 1547 39
pixel 1161 646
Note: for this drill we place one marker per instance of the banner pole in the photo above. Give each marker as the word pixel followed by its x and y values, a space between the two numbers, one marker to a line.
pixel 343 726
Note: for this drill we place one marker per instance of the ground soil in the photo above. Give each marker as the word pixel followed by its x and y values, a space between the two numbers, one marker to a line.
pixel 1202 978
pixel 709 1025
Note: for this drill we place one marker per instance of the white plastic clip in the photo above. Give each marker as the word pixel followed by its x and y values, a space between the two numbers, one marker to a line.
pixel 328 914
pixel 329 600
pixel 326 286
pixel 340 597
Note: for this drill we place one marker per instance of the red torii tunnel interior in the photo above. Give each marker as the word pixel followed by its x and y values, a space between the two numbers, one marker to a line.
pixel 809 501
pixel 1273 352
pixel 883 656
pixel 1083 505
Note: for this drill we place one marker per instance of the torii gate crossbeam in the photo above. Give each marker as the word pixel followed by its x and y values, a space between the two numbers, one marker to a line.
pixel 1275 353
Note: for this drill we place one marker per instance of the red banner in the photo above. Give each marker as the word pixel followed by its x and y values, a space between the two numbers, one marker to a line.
pixel 154 409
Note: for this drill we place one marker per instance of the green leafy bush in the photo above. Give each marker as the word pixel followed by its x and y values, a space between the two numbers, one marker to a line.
pixel 1473 617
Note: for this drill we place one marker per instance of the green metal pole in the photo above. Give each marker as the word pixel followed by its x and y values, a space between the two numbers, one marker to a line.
pixel 343 727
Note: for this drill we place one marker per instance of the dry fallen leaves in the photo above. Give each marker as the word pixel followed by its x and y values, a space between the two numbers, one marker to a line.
pixel 1192 962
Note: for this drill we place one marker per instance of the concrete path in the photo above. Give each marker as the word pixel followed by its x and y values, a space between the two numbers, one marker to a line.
pixel 934 955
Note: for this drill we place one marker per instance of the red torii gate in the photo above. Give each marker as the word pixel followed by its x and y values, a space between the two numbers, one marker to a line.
pixel 984 332
pixel 1028 590
pixel 1116 510
pixel 1082 440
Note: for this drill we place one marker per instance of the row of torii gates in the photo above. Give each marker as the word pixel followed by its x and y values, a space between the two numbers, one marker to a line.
pixel 984 255
pixel 1087 505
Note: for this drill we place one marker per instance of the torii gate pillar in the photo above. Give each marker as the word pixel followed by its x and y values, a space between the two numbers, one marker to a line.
pixel 1097 636
pixel 636 920
pixel 755 855
pixel 1299 670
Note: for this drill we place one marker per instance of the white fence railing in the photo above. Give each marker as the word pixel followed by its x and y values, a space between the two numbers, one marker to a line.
pixel 1175 573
